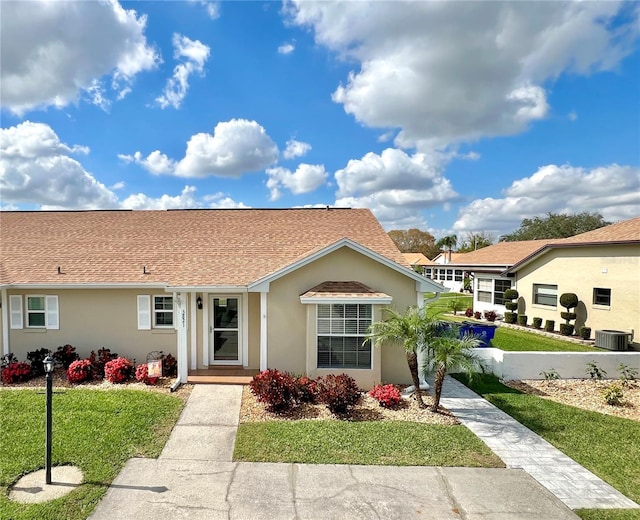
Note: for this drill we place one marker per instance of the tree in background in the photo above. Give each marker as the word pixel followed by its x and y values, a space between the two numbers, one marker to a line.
pixel 415 241
pixel 474 241
pixel 448 243
pixel 556 225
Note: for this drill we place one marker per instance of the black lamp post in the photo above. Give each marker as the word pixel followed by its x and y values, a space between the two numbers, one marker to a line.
pixel 48 368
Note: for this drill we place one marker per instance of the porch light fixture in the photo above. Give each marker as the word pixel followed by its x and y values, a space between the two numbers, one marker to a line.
pixel 199 302
pixel 48 368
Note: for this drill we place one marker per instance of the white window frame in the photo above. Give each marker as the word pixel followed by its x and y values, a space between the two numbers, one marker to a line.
pixel 551 290
pixel 484 290
pixel 50 312
pixel 155 312
pixel 335 333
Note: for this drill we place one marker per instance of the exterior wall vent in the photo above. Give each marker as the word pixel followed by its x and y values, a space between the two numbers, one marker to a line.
pixel 612 339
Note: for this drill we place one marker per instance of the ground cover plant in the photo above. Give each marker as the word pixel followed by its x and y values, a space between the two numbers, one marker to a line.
pixel 604 444
pixel 95 430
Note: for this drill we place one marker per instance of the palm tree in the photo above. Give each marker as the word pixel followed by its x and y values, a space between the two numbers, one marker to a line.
pixel 448 351
pixel 448 242
pixel 412 330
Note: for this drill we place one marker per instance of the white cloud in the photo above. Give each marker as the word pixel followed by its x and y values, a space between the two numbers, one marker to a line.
pixel 460 71
pixel 295 149
pixel 306 178
pixel 186 200
pixel 52 52
pixel 156 162
pixel 394 185
pixel 286 48
pixel 195 55
pixel 613 191
pixel 37 168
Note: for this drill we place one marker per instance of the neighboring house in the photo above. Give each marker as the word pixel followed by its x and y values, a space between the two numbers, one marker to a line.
pixel 602 267
pixel 451 277
pixel 289 289
pixel 418 262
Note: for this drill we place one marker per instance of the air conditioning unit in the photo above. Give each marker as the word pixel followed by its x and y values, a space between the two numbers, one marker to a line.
pixel 612 339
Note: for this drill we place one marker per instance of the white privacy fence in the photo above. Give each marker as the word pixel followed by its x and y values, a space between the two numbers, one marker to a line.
pixel 569 365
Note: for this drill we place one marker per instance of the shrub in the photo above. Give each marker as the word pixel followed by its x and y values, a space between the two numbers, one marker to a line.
pixel 278 390
pixel 469 312
pixel 566 329
pixel 142 375
pixel 65 355
pixel 338 393
pixel 16 372
pixel 522 320
pixel 169 366
pixel 585 332
pixel 490 315
pixel 568 300
pixel 307 389
pixel 627 374
pixel 594 371
pixel 613 395
pixel 510 317
pixel 386 395
pixel 455 305
pixel 36 358
pixel 118 370
pixel 79 371
pixel 550 375
pixel 99 360
pixel 537 323
pixel 549 325
pixel 477 315
pixel 7 359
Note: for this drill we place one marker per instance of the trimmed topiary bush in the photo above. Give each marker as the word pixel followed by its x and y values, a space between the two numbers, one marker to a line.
pixel 549 325
pixel 118 370
pixel 80 371
pixel 339 393
pixel 522 320
pixel 566 329
pixel 510 305
pixel 585 332
pixel 537 323
pixel 510 317
pixel 568 301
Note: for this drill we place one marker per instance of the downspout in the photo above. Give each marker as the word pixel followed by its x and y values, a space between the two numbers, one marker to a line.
pixel 174 386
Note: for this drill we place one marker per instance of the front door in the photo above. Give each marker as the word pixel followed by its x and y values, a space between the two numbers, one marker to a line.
pixel 225 341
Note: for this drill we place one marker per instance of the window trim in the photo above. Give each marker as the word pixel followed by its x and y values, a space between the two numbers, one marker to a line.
pixel 29 312
pixel 343 334
pixel 155 312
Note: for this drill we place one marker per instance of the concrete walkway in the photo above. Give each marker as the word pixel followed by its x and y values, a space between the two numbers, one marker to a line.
pixel 519 447
pixel 195 478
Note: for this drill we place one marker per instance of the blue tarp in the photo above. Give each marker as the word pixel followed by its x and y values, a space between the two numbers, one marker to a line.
pixel 483 331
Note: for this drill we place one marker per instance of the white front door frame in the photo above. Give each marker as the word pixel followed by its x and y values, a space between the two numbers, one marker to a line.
pixel 241 330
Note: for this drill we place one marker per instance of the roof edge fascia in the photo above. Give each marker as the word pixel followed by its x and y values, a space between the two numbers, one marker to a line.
pixel 231 289
pixel 308 300
pixel 23 286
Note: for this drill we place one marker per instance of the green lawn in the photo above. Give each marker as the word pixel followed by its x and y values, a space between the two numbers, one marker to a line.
pixel 443 303
pixel 521 340
pixel 606 445
pixel 96 430
pixel 367 442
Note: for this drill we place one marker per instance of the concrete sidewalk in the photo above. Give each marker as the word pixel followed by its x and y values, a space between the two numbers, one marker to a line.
pixel 194 478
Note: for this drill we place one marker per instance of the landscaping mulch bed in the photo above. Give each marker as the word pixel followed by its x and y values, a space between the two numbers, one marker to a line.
pixel 585 394
pixel 367 409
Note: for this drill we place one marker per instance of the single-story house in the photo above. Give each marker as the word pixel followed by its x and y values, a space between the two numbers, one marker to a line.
pixel 602 267
pixel 418 262
pixel 292 289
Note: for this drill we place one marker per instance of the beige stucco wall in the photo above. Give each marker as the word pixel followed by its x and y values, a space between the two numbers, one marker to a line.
pixel 580 270
pixel 93 319
pixel 291 330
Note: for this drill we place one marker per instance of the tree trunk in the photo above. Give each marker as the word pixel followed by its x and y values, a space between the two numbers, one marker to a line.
pixel 437 387
pixel 412 360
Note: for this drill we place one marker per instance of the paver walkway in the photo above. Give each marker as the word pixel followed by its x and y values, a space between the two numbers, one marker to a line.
pixel 519 447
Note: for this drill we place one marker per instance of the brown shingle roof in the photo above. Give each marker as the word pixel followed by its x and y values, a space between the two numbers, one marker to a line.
pixel 351 289
pixel 627 230
pixel 502 253
pixel 178 247
pixel 416 259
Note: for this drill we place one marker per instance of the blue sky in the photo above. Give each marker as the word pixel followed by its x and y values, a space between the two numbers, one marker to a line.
pixel 447 116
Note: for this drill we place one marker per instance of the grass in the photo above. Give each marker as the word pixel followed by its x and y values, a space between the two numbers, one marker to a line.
pixel 95 430
pixel 377 442
pixel 519 340
pixel 443 303
pixel 606 445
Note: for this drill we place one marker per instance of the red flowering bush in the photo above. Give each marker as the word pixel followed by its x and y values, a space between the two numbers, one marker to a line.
pixel 469 312
pixel 15 372
pixel 79 371
pixel 278 390
pixel 490 315
pixel 307 389
pixel 387 395
pixel 142 375
pixel 118 370
pixel 338 393
pixel 169 366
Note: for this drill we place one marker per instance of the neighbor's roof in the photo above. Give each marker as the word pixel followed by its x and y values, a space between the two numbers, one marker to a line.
pixel 416 259
pixel 625 232
pixel 177 247
pixel 502 253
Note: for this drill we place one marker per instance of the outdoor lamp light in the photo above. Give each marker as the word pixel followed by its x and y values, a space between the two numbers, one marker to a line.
pixel 199 302
pixel 48 368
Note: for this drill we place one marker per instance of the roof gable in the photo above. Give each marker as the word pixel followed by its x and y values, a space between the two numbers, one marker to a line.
pixel 500 254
